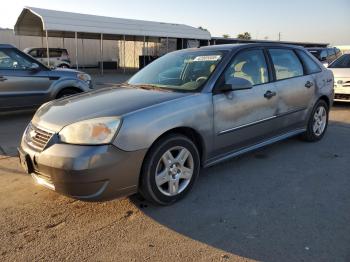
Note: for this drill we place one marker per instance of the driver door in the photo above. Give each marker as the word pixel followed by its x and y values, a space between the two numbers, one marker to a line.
pixel 20 87
pixel 245 117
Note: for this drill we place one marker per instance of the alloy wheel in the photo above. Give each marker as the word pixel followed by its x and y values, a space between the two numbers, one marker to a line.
pixel 174 171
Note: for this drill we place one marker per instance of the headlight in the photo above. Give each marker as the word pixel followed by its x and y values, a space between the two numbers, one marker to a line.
pixel 91 132
pixel 84 77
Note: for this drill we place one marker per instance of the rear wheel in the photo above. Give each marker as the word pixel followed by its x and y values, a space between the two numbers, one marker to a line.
pixel 170 169
pixel 318 122
pixel 67 92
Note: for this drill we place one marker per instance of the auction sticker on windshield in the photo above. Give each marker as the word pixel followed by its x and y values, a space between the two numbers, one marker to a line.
pixel 207 58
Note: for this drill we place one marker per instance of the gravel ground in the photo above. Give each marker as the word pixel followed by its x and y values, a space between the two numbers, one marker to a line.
pixel 286 202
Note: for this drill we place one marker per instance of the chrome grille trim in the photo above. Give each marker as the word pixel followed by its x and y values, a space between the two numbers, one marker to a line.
pixel 37 137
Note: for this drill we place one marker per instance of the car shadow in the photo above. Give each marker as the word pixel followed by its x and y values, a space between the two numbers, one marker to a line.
pixel 280 203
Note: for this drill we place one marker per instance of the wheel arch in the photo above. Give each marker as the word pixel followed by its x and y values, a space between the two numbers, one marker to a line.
pixel 326 99
pixel 188 132
pixel 68 88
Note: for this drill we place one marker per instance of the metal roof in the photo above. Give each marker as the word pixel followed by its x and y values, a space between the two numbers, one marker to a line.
pixel 35 21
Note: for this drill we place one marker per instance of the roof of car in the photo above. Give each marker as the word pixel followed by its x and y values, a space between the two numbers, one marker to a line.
pixel 234 46
pixel 6 46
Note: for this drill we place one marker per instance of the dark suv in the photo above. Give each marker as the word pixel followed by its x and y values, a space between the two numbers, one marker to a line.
pixel 325 55
pixel 26 83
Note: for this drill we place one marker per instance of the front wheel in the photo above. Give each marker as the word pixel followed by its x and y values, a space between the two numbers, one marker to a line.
pixel 170 169
pixel 318 122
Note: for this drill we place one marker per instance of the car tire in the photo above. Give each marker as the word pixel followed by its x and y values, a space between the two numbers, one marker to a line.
pixel 169 170
pixel 317 123
pixel 67 92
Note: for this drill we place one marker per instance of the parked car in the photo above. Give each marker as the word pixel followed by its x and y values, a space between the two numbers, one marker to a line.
pixel 26 83
pixel 152 135
pixel 58 56
pixel 341 71
pixel 325 55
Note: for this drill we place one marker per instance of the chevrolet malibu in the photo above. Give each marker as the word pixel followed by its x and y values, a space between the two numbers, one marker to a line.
pixel 188 109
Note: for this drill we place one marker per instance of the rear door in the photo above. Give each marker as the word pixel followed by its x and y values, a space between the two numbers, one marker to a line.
pixel 295 88
pixel 245 117
pixel 21 87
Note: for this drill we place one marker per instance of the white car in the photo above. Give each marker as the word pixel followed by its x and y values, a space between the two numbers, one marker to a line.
pixel 341 72
pixel 58 56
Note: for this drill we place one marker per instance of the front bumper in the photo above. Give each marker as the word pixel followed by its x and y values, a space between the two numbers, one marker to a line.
pixel 85 172
pixel 342 91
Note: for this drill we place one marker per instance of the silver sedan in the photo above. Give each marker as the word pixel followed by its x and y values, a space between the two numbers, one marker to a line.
pixel 189 109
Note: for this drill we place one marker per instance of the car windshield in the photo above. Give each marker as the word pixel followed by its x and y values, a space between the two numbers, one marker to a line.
pixel 179 71
pixel 341 62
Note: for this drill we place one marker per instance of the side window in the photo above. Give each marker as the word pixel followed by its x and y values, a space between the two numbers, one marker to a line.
pixel 10 59
pixel 55 53
pixel 250 65
pixel 311 66
pixel 33 53
pixel 286 63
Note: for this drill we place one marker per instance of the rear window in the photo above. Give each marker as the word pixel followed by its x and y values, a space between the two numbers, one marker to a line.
pixel 311 67
pixel 286 63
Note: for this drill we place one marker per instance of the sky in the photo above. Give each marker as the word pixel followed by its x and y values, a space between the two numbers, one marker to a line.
pixel 326 21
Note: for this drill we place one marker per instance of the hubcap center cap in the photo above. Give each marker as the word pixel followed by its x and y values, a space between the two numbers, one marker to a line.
pixel 174 169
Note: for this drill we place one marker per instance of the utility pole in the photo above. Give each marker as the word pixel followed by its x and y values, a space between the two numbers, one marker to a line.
pixel 279 36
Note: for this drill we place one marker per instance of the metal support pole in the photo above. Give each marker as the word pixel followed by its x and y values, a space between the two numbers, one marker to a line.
pixel 83 52
pixel 182 43
pixel 208 42
pixel 143 53
pixel 167 44
pixel 76 50
pixel 63 42
pixel 134 53
pixel 124 62
pixel 47 49
pixel 101 54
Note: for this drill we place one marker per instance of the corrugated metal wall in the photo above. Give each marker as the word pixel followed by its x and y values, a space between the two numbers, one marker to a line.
pixel 89 49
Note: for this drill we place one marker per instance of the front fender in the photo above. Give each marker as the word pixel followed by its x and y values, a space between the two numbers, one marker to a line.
pixel 141 128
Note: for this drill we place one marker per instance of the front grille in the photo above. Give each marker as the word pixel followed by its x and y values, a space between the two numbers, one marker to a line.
pixel 342 96
pixel 37 137
pixel 346 84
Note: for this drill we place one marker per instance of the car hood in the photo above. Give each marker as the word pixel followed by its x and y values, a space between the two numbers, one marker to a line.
pixel 56 114
pixel 340 72
pixel 64 72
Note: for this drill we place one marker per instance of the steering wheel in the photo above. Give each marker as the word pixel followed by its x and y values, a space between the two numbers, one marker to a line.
pixel 201 79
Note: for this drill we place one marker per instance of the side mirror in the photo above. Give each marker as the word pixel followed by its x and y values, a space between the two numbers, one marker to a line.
pixel 237 83
pixel 34 67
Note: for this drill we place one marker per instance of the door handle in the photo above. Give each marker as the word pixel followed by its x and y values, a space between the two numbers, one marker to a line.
pixel 269 94
pixel 3 78
pixel 309 84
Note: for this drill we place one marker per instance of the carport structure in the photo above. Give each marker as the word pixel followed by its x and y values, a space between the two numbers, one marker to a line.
pixel 50 23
